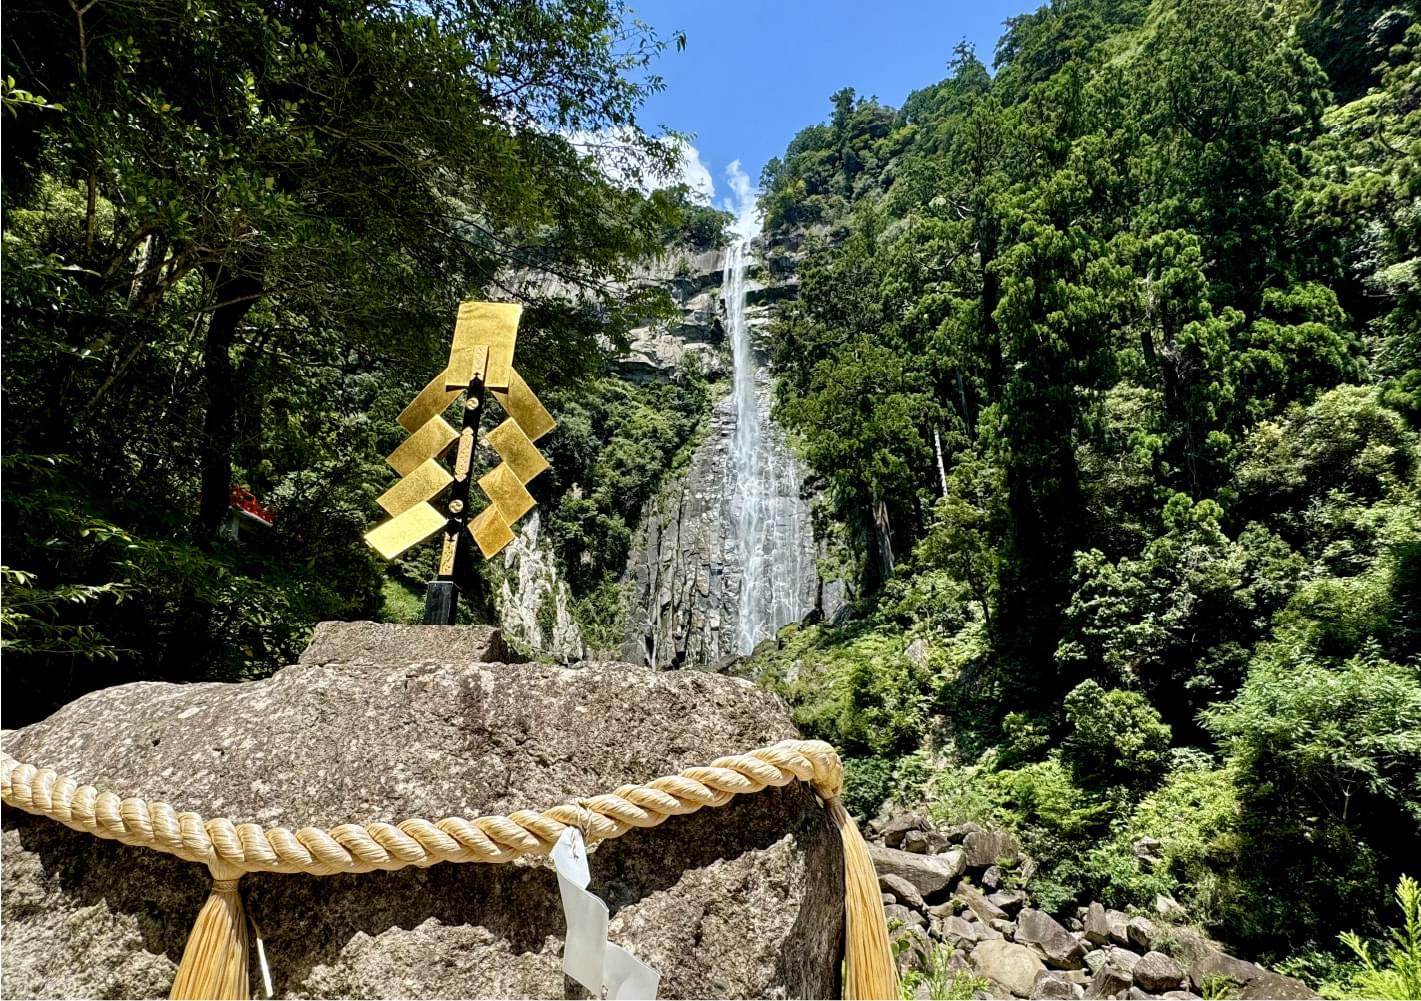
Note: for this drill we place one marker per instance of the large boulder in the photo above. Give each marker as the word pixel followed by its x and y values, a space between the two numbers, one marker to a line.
pixel 1108 982
pixel 1013 966
pixel 1157 973
pixel 987 848
pixel 979 905
pixel 1213 970
pixel 1141 932
pixel 379 642
pixel 929 874
pixel 905 892
pixel 1057 946
pixel 954 929
pixel 1097 928
pixel 896 827
pixel 1052 984
pixel 743 900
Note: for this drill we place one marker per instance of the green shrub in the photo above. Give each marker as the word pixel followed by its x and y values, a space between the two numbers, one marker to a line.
pixel 1324 970
pixel 931 978
pixel 1193 815
pixel 1328 772
pixel 858 691
pixel 1116 738
pixel 867 783
pixel 958 794
pixel 1054 819
pixel 1399 975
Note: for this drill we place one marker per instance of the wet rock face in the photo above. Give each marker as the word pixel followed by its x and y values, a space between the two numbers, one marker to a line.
pixel 534 602
pixel 743 900
pixel 683 577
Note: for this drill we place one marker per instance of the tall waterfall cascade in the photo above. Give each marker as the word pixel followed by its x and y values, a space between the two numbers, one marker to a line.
pixel 725 556
pixel 768 516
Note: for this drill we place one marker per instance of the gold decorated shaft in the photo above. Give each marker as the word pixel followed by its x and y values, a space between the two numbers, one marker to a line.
pixel 480 361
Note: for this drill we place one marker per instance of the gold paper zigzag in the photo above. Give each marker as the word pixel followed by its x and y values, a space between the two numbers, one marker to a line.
pixel 484 338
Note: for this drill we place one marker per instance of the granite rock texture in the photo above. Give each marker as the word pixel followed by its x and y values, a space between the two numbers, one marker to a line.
pixel 693 281
pixel 744 900
pixel 393 643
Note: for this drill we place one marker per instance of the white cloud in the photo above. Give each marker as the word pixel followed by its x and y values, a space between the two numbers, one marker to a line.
pixel 623 162
pixel 694 174
pixel 743 201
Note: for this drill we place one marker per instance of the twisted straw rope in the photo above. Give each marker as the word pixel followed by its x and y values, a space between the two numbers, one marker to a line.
pixel 230 848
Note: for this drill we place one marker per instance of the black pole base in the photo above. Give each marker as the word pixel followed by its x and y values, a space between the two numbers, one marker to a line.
pixel 441 602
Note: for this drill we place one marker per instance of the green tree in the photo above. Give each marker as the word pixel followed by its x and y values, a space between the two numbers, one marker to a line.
pixel 1115 738
pixel 1328 759
pixel 234 254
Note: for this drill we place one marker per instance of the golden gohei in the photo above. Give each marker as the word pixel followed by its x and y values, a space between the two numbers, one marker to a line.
pixel 480 363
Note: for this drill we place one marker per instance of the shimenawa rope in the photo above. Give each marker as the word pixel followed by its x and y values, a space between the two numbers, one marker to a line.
pixel 214 964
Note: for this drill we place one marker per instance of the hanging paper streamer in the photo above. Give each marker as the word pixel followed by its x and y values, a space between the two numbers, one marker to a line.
pixel 588 957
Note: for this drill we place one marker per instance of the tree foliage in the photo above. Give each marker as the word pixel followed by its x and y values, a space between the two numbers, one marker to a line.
pixel 234 238
pixel 1115 355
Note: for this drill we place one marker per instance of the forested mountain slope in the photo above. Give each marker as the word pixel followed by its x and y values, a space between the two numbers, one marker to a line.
pixel 1109 367
pixel 1104 366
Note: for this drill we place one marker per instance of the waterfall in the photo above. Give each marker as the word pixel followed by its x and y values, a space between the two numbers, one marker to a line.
pixel 768 518
pixel 534 602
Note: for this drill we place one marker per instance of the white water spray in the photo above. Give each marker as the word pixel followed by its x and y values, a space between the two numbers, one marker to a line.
pixel 768 516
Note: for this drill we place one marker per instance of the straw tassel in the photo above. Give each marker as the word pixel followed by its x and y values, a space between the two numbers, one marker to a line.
pixel 214 963
pixel 869 968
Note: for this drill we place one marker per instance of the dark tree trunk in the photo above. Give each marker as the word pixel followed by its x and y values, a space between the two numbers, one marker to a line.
pixel 236 293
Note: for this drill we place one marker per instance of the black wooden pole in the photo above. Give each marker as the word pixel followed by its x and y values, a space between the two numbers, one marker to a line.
pixel 441 596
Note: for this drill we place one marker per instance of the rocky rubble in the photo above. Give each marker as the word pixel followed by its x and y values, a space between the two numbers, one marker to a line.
pixel 958 900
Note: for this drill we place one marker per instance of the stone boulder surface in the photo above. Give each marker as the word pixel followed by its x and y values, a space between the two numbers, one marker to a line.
pixel 1005 963
pixel 1097 927
pixel 1157 973
pixel 1051 984
pixel 987 848
pixel 929 874
pixel 903 891
pixel 893 830
pixel 1056 945
pixel 744 900
pixel 1210 968
pixel 1012 966
pixel 390 642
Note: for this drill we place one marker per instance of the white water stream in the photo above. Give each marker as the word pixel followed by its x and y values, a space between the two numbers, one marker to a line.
pixel 769 519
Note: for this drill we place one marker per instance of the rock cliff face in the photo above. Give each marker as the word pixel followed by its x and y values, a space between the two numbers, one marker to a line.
pixel 682 586
pixel 687 568
pixel 744 900
pixel 693 279
pixel 534 602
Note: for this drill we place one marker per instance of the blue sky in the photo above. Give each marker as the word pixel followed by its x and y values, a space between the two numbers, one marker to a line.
pixel 754 72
